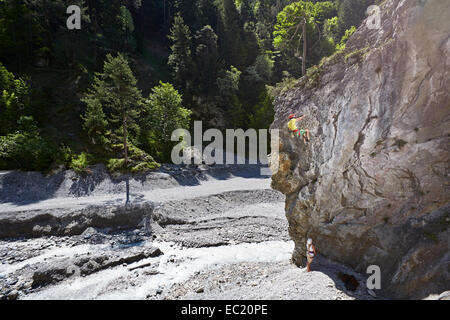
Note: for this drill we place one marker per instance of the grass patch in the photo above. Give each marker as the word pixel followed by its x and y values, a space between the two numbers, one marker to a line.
pixel 357 55
pixel 313 75
pixel 282 87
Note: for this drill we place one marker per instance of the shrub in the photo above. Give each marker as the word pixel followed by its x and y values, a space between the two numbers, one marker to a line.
pixel 348 33
pixel 14 98
pixel 138 160
pixel 115 165
pixel 80 163
pixel 313 75
pixel 25 151
pixel 64 156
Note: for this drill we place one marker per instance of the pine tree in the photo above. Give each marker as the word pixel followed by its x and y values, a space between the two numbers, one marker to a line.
pixel 209 13
pixel 229 90
pixel 95 122
pixel 180 59
pixel 206 57
pixel 234 53
pixel 189 11
pixel 115 90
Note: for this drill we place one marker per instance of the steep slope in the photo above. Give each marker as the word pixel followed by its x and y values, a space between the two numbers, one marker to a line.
pixel 372 186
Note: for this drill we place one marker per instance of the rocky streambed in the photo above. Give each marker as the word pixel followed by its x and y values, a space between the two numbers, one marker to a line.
pixel 216 237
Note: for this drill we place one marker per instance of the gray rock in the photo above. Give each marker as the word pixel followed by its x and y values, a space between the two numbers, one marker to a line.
pixel 371 187
pixel 89 232
pixel 71 221
pixel 372 293
pixel 444 296
pixel 200 290
pixel 12 295
pixel 86 264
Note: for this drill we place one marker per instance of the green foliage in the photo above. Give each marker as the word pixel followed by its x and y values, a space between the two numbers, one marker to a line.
pixel 250 86
pixel 206 57
pixel 264 65
pixel 189 11
pixel 14 95
pixel 225 56
pixel 95 122
pixel 323 11
pixel 165 111
pixel 313 75
pixel 64 156
pixel 113 99
pixel 229 90
pixel 348 33
pixel 165 114
pixel 115 91
pixel 331 29
pixel 357 55
pixel 80 163
pixel 181 59
pixel 229 84
pixel 116 165
pixel 233 35
pixel 126 28
pixel 139 160
pixel 351 13
pixel 19 32
pixel 288 35
pixel 264 113
pixel 287 83
pixel 26 149
pixel 289 21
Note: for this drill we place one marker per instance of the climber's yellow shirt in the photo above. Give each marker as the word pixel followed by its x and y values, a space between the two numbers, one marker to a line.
pixel 292 124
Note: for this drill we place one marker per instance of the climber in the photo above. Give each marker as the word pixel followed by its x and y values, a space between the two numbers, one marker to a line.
pixel 292 125
pixel 310 253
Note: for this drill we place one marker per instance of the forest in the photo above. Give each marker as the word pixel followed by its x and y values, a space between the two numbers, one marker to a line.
pixel 113 91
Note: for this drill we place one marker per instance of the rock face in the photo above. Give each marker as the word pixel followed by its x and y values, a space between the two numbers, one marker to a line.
pixel 72 221
pixel 372 186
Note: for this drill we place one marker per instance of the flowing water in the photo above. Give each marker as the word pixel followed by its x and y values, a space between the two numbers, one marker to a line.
pixel 175 266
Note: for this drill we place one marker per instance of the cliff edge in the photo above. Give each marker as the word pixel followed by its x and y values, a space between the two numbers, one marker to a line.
pixel 372 186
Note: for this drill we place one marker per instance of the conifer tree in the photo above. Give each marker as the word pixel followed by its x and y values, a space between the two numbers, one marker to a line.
pixel 234 53
pixel 207 58
pixel 115 90
pixel 180 59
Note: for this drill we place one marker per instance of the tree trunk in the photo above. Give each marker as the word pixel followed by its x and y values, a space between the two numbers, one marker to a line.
pixel 304 48
pixel 125 151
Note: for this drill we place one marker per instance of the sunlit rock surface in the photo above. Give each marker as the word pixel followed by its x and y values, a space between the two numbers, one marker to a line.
pixel 372 186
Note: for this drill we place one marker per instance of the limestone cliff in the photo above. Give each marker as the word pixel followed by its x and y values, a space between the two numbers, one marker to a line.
pixel 372 186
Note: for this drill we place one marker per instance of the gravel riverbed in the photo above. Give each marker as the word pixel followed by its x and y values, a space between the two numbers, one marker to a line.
pixel 222 237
